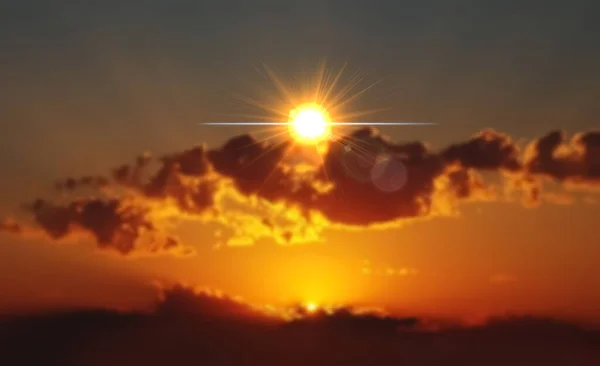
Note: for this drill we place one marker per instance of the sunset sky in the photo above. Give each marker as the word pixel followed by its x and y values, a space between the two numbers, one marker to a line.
pixel 499 213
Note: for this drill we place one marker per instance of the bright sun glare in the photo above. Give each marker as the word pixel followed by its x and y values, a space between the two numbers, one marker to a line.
pixel 309 123
pixel 311 307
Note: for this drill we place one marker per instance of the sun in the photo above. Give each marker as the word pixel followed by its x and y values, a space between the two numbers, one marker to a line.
pixel 311 307
pixel 309 123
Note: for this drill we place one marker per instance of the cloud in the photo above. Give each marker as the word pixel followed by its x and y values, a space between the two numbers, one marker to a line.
pixel 363 179
pixel 369 268
pixel 355 200
pixel 186 301
pixel 9 225
pixel 488 150
pixel 71 184
pixel 113 224
pixel 575 161
pixel 255 169
pixel 198 327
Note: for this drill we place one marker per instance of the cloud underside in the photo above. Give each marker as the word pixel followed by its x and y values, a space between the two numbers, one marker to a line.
pixel 260 189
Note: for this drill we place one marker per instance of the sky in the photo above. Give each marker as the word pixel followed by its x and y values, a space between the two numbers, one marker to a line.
pixel 492 222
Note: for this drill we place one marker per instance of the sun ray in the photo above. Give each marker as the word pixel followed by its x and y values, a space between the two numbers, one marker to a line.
pixel 356 145
pixel 260 105
pixel 268 150
pixel 350 115
pixel 355 79
pixel 358 94
pixel 280 85
pixel 324 106
pixel 272 136
pixel 333 83
pixel 256 117
pixel 342 193
pixel 318 83
pixel 284 155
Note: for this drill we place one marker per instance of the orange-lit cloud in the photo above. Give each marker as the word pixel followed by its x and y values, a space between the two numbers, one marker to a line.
pixel 577 160
pixel 11 226
pixel 371 269
pixel 573 163
pixel 253 189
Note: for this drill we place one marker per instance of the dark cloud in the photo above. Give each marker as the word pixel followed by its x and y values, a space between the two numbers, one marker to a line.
pixel 189 195
pixel 184 301
pixel 132 174
pixel 113 224
pixel 191 328
pixel 467 183
pixel 575 161
pixel 167 181
pixel 355 200
pixel 364 178
pixel 178 178
pixel 70 184
pixel 256 169
pixel 488 150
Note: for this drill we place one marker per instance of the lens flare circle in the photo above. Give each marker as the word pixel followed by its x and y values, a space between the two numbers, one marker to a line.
pixel 359 156
pixel 389 174
pixel 356 164
pixel 310 123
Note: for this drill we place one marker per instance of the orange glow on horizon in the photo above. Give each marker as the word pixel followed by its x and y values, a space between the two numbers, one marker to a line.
pixel 311 307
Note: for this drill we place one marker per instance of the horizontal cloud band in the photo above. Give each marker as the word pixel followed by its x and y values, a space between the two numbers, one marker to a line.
pixel 363 179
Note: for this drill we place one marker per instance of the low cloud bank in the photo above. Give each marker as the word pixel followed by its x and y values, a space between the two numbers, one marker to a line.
pixel 190 328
